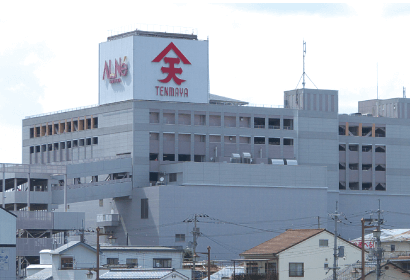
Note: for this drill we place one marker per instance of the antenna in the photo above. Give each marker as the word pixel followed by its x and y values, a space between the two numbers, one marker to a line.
pixel 404 92
pixel 304 53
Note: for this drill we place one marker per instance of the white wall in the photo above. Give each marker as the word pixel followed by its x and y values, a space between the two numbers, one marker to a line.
pixel 314 257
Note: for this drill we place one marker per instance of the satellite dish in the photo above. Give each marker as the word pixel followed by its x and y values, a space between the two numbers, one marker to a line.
pixel 161 179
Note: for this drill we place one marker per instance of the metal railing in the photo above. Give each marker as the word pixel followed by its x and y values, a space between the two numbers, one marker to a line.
pixel 61 111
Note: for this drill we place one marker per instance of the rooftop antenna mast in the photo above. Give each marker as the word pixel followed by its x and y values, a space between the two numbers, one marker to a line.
pixel 304 73
pixel 404 92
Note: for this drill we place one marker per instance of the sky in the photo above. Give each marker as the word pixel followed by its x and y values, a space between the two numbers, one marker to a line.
pixel 49 52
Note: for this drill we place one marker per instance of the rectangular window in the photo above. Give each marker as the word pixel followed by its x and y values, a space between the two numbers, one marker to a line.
pixel 182 157
pixel 296 270
pixel 392 248
pixel 112 261
pixel 75 143
pixel 259 140
pixel 67 262
pixel 62 145
pixel 323 243
pixel 172 177
pixel 32 150
pixel 153 157
pixel 287 142
pixel 81 142
pixel 179 237
pixel 168 157
pixel 88 141
pixel 162 263
pixel 68 144
pixel 95 122
pixel 132 262
pixel 144 208
pixel 95 140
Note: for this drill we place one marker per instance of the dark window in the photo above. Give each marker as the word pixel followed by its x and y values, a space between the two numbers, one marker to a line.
pixel 32 132
pixel 95 140
pixel 366 186
pixel 112 261
pixel 353 130
pixel 380 149
pixel 287 142
pixel 75 143
pixel 296 270
pixel 366 167
pixel 342 166
pixel 55 146
pixel 342 147
pixel 37 149
pixel 259 140
pixel 179 237
pixel 380 167
pixel 68 144
pixel 184 157
pixel 380 132
pixel 81 142
pixel 199 158
pixel 366 148
pixel 342 130
pixel 169 157
pixel 252 268
pixel 131 262
pixel 274 123
pixel 270 268
pixel 153 176
pixel 144 208
pixel 153 156
pixel 354 148
pixel 288 124
pixel 366 131
pixel 162 263
pixel 67 262
pixel 380 186
pixel 95 123
pixel 172 177
pixel 354 186
pixel 354 166
pixel 88 123
pixel 44 147
pixel 392 247
pixel 342 185
pixel 88 141
pixel 274 141
pixel 62 145
pixel 32 150
pixel 259 122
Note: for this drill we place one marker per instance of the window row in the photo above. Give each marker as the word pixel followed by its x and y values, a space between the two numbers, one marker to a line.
pixel 257 140
pixel 365 148
pixel 64 145
pixel 365 167
pixel 361 130
pixel 133 262
pixel 368 186
pixel 216 120
pixel 63 127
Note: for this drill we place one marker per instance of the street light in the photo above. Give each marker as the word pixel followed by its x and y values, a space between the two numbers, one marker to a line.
pixel 377 233
pixel 89 274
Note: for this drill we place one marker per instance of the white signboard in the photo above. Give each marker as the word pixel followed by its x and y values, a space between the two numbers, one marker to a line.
pixel 4 259
pixel 153 68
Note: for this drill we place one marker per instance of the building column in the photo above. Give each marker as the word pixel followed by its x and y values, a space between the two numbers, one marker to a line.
pixel 3 190
pixel 28 189
pixel 65 192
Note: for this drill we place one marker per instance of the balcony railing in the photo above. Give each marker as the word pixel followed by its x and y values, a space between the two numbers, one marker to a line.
pixel 258 276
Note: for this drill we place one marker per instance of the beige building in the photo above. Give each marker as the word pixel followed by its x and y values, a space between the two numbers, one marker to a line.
pixel 302 253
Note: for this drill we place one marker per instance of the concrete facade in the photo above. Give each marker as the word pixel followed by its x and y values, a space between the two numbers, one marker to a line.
pixel 7 245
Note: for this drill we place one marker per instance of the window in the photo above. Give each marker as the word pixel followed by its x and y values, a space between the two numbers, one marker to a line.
pixel 342 147
pixel 252 268
pixel 270 268
pixel 392 248
pixel 182 157
pixel 354 166
pixel 274 123
pixel 95 140
pixel 342 166
pixel 366 186
pixel 366 148
pixel 274 141
pixel 88 141
pixel 287 142
pixel 354 186
pixel 354 148
pixel 179 237
pixel 288 124
pixel 95 122
pixel 366 167
pixel 259 122
pixel 259 140
pixel 132 262
pixel 169 157
pixel 153 176
pixel 162 263
pixel 32 150
pixel 342 185
pixel 380 149
pixel 112 261
pixel 172 177
pixel 296 270
pixel 68 144
pixel 62 145
pixel 101 202
pixel 67 263
pixel 199 158
pixel 153 157
pixel 81 142
pixel 323 243
pixel 144 208
pixel 75 143
pixel 342 130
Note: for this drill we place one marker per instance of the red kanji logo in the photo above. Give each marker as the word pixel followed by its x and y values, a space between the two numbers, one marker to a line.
pixel 171 70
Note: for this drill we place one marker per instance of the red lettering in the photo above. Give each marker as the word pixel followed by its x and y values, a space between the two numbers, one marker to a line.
pixel 165 91
pixel 185 92
pixel 171 91
pixel 124 69
pixel 157 89
pixel 107 70
pixel 161 89
pixel 176 91
pixel 117 68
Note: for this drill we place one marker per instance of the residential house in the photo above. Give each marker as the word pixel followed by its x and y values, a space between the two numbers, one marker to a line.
pixel 157 274
pixel 389 271
pixel 302 253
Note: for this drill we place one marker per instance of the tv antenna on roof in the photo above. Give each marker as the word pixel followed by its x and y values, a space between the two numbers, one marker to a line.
pixel 304 73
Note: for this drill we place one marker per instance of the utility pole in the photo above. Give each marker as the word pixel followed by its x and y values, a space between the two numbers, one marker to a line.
pixel 195 234
pixel 379 249
pixel 335 252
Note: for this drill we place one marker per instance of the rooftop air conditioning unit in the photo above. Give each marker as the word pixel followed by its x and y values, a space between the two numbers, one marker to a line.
pixel 275 161
pixel 292 162
pixel 235 158
pixel 246 157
